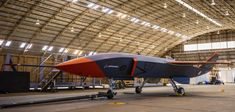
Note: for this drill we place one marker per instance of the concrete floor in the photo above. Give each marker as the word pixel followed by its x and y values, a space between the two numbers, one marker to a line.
pixel 204 98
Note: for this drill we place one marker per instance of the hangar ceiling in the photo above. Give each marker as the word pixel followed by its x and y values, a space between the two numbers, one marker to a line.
pixel 78 27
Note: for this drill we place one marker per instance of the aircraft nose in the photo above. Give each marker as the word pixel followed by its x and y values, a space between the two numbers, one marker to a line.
pixel 81 66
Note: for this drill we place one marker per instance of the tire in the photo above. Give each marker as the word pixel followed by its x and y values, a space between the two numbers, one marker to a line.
pixel 181 91
pixel 110 94
pixel 138 90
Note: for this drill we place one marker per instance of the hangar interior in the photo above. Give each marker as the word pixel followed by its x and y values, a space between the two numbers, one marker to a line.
pixel 201 47
pixel 49 32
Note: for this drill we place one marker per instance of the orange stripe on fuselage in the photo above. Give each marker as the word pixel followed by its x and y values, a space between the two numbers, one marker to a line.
pixel 82 66
pixel 134 66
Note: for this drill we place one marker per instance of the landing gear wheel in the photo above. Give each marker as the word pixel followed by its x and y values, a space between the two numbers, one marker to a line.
pixel 110 94
pixel 181 91
pixel 138 90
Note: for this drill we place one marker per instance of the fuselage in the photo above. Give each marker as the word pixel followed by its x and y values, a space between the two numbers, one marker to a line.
pixel 125 66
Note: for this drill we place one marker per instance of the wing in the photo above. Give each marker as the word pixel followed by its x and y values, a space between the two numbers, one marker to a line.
pixel 197 62
pixel 212 60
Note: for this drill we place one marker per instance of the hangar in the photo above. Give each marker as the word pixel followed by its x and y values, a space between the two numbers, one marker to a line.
pixel 36 35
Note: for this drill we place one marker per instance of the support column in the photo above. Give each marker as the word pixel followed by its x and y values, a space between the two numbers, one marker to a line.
pixel 62 74
pixel 7 61
pixel 93 82
pixel 41 69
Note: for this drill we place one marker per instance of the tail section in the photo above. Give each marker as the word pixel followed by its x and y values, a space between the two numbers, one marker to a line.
pixel 208 66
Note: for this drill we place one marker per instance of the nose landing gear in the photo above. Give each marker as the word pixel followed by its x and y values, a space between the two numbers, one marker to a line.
pixel 110 92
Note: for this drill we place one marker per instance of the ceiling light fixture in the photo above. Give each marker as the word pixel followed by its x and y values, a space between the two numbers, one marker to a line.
pixel 99 35
pixel 198 12
pixel 165 5
pixel 227 13
pixel 184 15
pixel 37 22
pixel 212 2
pixel 72 29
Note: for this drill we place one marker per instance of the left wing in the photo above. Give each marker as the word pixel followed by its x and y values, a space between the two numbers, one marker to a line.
pixel 197 62
pixel 211 60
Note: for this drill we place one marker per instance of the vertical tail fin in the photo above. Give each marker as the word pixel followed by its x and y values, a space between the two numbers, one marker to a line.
pixel 207 67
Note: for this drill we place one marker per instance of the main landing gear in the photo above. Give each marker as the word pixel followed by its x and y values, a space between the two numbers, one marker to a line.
pixel 110 92
pixel 178 90
pixel 138 89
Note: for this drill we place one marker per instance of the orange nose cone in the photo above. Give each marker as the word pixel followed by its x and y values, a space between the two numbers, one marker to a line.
pixel 81 66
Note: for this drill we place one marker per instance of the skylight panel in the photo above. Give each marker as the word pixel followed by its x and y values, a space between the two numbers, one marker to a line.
pixel 8 43
pixel 143 22
pixel 191 47
pixel 91 53
pixel 80 53
pixel 105 10
pixel 134 20
pixel 44 47
pixel 50 48
pixel 147 24
pixel 22 45
pixel 61 50
pixel 75 52
pixel 75 1
pixel 231 44
pixel 171 32
pixel 95 6
pixel 204 46
pixel 29 46
pixel 163 30
pixel 90 5
pixel 1 41
pixel 66 51
pixel 155 27
pixel 178 34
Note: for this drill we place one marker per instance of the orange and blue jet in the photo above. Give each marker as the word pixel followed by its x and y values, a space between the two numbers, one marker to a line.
pixel 124 66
